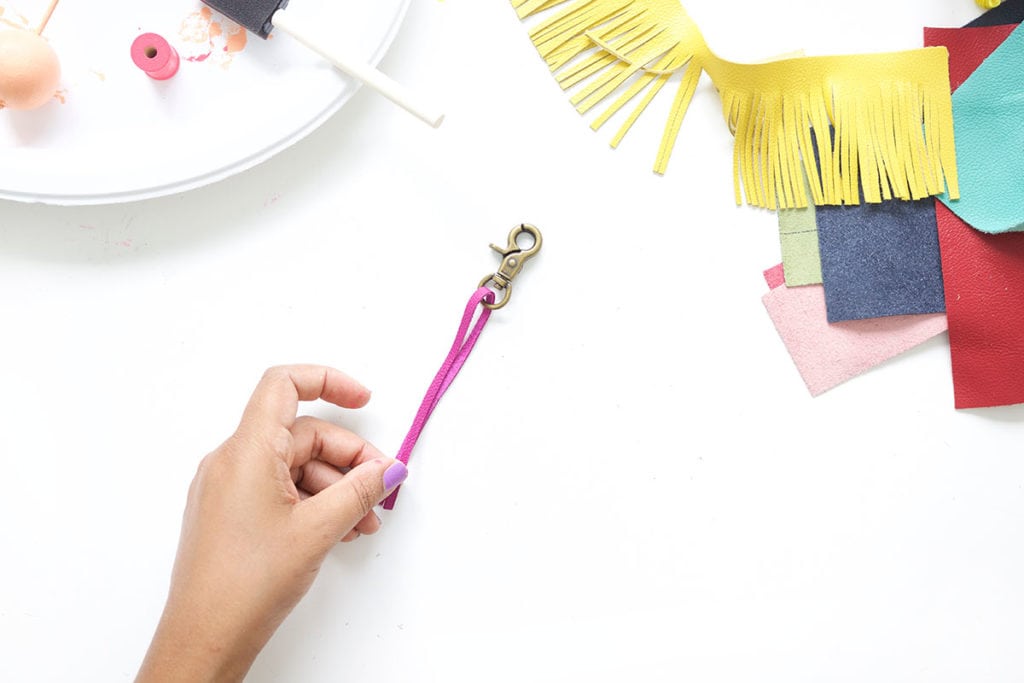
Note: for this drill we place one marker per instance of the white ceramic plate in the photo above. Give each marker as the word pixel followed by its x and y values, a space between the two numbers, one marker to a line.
pixel 113 134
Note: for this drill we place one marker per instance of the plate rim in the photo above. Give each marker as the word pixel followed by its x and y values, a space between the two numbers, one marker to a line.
pixel 224 172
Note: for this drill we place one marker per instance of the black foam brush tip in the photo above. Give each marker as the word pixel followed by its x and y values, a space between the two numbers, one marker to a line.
pixel 255 15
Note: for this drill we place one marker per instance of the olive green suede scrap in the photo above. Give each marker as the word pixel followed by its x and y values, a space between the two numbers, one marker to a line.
pixel 798 236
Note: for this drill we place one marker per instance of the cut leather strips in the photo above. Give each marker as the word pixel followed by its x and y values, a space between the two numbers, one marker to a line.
pixel 984 281
pixel 891 112
pixel 988 109
pixel 828 355
pixel 893 136
pixel 880 260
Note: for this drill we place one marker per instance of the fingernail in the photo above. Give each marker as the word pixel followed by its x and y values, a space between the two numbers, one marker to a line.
pixel 395 475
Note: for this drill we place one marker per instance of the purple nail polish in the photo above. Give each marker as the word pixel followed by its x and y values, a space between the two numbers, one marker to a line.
pixel 395 475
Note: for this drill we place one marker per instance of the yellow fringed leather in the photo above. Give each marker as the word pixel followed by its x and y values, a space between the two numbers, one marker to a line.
pixel 880 125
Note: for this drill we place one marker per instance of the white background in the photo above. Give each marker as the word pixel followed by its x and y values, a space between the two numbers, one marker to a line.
pixel 628 481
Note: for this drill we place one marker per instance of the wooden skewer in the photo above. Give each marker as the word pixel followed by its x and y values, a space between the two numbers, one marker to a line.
pixel 323 44
pixel 46 17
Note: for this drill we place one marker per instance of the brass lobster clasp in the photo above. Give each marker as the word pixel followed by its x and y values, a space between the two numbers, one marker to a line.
pixel 512 262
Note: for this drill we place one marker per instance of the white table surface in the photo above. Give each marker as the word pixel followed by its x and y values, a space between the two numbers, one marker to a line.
pixel 628 481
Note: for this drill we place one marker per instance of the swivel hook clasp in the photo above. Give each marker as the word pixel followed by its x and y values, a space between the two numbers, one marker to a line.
pixel 512 262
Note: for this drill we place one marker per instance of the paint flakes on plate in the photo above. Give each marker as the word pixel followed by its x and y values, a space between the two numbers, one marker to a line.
pixel 206 36
pixel 19 20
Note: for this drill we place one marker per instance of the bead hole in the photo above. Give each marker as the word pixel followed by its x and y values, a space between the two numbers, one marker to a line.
pixel 151 52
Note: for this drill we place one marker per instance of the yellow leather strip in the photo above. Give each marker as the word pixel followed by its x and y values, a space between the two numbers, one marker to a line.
pixel 872 126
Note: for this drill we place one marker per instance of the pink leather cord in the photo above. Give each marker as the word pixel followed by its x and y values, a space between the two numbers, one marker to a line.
pixel 460 351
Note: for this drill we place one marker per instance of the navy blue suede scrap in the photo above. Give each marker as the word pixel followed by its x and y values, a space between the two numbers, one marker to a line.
pixel 1008 12
pixel 880 259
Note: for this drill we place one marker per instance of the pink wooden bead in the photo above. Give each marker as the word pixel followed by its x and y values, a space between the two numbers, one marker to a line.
pixel 155 56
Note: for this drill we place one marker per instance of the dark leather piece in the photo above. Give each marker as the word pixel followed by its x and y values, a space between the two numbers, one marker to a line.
pixel 1009 12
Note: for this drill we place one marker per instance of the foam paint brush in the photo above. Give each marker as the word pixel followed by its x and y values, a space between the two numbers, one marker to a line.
pixel 263 16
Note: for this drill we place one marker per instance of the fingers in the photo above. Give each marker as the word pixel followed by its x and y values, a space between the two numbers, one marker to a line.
pixel 276 398
pixel 340 477
pixel 314 439
pixel 370 524
pixel 314 477
pixel 343 506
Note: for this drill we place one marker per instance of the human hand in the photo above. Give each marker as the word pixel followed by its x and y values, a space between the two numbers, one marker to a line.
pixel 262 512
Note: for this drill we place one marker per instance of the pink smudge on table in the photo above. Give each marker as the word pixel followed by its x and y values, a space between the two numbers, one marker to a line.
pixel 207 36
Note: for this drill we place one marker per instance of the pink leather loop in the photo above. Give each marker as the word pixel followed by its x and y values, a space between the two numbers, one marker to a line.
pixel 465 339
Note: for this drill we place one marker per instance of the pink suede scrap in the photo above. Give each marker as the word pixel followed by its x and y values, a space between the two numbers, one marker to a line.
pixel 826 355
pixel 775 276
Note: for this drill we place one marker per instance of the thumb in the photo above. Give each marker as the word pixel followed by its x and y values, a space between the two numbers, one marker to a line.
pixel 339 507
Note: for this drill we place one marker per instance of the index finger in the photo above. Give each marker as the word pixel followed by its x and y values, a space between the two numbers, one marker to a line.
pixel 275 400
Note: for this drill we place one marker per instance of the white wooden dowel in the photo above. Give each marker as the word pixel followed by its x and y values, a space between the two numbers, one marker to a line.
pixel 376 79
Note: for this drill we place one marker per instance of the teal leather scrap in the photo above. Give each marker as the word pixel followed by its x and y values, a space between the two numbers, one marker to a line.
pixel 988 117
